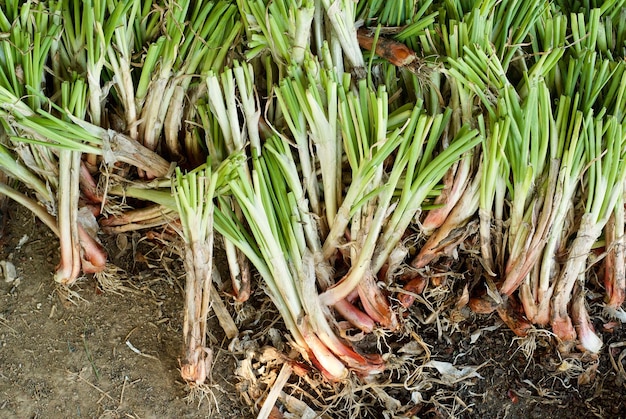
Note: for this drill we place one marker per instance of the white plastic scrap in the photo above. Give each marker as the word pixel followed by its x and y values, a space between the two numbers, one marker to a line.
pixel 22 241
pixel 8 271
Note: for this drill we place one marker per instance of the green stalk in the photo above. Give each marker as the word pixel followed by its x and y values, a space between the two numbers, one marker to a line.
pixel 160 90
pixel 418 183
pixel 456 179
pixel 301 99
pixel 283 246
pixel 119 58
pixel 342 17
pixel 210 24
pixel 76 134
pixel 223 107
pixel 90 25
pixel 244 75
pixel 364 122
pixel 456 218
pixel 526 151
pixel 192 32
pixel 570 149
pixel 67 202
pixel 279 279
pixel 297 123
pixel 361 265
pixel 364 173
pixel 283 27
pixel 396 13
pixel 513 20
pixel 225 110
pixel 30 33
pixel 194 193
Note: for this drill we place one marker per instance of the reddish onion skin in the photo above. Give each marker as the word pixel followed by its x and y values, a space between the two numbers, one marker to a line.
pixel 395 52
pixel 588 233
pixel 375 303
pixel 563 328
pixel 515 321
pixel 613 272
pixel 93 256
pixel 414 286
pixel 275 414
pixel 587 337
pixel 354 316
pixel 482 305
pixel 88 185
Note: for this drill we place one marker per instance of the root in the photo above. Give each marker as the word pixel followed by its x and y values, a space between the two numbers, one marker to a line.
pixel 198 393
pixel 109 279
pixel 528 344
pixel 68 295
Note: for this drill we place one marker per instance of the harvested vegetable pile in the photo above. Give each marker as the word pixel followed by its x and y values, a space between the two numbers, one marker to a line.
pixel 371 166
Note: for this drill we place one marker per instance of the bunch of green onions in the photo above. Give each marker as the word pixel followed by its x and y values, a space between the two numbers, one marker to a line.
pixel 508 114
pixel 194 193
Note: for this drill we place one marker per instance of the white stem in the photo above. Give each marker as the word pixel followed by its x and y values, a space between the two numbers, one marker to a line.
pixel 69 172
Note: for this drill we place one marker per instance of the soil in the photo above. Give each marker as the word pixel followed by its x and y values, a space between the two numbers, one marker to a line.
pixel 102 354
pixel 114 353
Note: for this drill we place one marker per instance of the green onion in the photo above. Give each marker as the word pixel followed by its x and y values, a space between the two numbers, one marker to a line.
pixel 191 33
pixel 461 205
pixel 74 99
pixel 570 149
pixel 422 175
pixel 364 125
pixel 341 14
pixel 302 100
pixel 492 190
pixel 604 150
pixel 527 152
pixel 194 193
pixel 119 58
pixel 283 27
pixel 225 113
pixel 46 130
pixel 279 250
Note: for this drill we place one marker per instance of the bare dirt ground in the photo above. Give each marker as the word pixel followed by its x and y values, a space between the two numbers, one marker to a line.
pixel 114 354
pixel 103 355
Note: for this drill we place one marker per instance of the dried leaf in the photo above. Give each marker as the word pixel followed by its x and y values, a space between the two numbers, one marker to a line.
pixel 588 376
pixel 412 348
pixel 452 375
pixel 464 298
pixel 297 408
pixel 474 337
